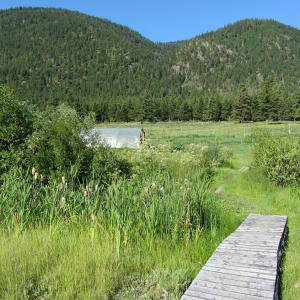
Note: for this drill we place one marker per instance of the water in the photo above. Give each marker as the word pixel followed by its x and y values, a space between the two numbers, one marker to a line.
pixel 114 137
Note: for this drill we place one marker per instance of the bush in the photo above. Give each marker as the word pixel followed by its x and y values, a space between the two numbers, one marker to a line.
pixel 56 146
pixel 16 126
pixel 277 157
pixel 16 120
pixel 57 149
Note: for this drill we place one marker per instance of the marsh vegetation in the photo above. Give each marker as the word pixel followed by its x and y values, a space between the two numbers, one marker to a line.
pixel 85 223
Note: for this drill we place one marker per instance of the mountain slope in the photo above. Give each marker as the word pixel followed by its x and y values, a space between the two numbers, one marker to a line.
pixel 54 55
pixel 245 51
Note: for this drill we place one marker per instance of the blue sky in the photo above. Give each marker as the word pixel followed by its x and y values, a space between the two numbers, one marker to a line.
pixel 171 20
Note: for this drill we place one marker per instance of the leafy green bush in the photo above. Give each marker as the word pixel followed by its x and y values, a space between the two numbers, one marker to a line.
pixel 176 147
pixel 215 156
pixel 16 120
pixel 57 149
pixel 56 146
pixel 16 126
pixel 277 157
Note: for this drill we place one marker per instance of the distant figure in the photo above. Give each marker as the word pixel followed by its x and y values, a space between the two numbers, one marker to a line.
pixel 142 136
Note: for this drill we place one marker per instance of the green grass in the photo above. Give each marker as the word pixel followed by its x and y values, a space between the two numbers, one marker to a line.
pixel 145 238
pixel 67 263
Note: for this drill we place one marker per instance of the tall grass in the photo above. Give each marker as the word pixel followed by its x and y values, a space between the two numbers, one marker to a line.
pixel 152 203
pixel 143 237
pixel 71 262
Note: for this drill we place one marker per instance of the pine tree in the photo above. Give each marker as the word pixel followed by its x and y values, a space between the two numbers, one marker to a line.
pixel 198 109
pixel 216 109
pixel 296 107
pixel 185 112
pixel 243 108
pixel 269 99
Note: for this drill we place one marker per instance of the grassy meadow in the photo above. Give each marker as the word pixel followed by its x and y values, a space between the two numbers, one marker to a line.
pixel 147 236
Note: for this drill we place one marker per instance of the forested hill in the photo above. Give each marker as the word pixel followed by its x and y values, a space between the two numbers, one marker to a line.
pixel 53 55
pixel 248 50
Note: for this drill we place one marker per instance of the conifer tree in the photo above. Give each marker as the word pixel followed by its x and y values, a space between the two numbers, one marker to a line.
pixel 243 107
pixel 296 106
pixel 269 99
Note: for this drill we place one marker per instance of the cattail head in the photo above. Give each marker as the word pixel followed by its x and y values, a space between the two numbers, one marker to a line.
pixel 125 241
pixel 93 218
pixel 62 201
pixel 36 175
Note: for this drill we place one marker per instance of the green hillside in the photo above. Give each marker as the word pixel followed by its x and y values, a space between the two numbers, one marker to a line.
pixel 53 55
pixel 246 51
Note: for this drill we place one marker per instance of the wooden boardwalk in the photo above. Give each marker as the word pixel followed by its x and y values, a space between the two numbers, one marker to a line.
pixel 246 264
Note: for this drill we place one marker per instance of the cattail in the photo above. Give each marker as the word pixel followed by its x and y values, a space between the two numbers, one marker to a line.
pixel 93 218
pixel 36 175
pixel 62 201
pixel 187 221
pixel 125 239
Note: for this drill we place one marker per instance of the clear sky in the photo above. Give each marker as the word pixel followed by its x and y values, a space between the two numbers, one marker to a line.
pixel 171 20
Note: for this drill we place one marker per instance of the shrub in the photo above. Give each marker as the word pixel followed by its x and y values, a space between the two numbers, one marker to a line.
pixel 57 149
pixel 16 126
pixel 215 156
pixel 56 146
pixel 176 147
pixel 16 120
pixel 277 157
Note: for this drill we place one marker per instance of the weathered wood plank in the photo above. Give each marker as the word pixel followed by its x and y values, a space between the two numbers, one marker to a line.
pixel 245 265
pixel 244 280
pixel 207 276
pixel 198 284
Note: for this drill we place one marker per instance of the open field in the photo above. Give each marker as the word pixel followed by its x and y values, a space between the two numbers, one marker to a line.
pixel 143 238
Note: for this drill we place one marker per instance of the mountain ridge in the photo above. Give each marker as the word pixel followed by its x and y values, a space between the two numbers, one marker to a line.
pixel 52 55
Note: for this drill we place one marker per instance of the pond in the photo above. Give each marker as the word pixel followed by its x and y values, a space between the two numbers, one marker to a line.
pixel 114 137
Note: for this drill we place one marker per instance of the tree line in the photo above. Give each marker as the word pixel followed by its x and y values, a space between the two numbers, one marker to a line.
pixel 270 101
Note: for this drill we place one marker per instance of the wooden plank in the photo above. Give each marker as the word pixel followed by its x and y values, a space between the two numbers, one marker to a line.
pixel 252 269
pixel 208 276
pixel 221 294
pixel 243 281
pixel 198 284
pixel 245 265
pixel 239 273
